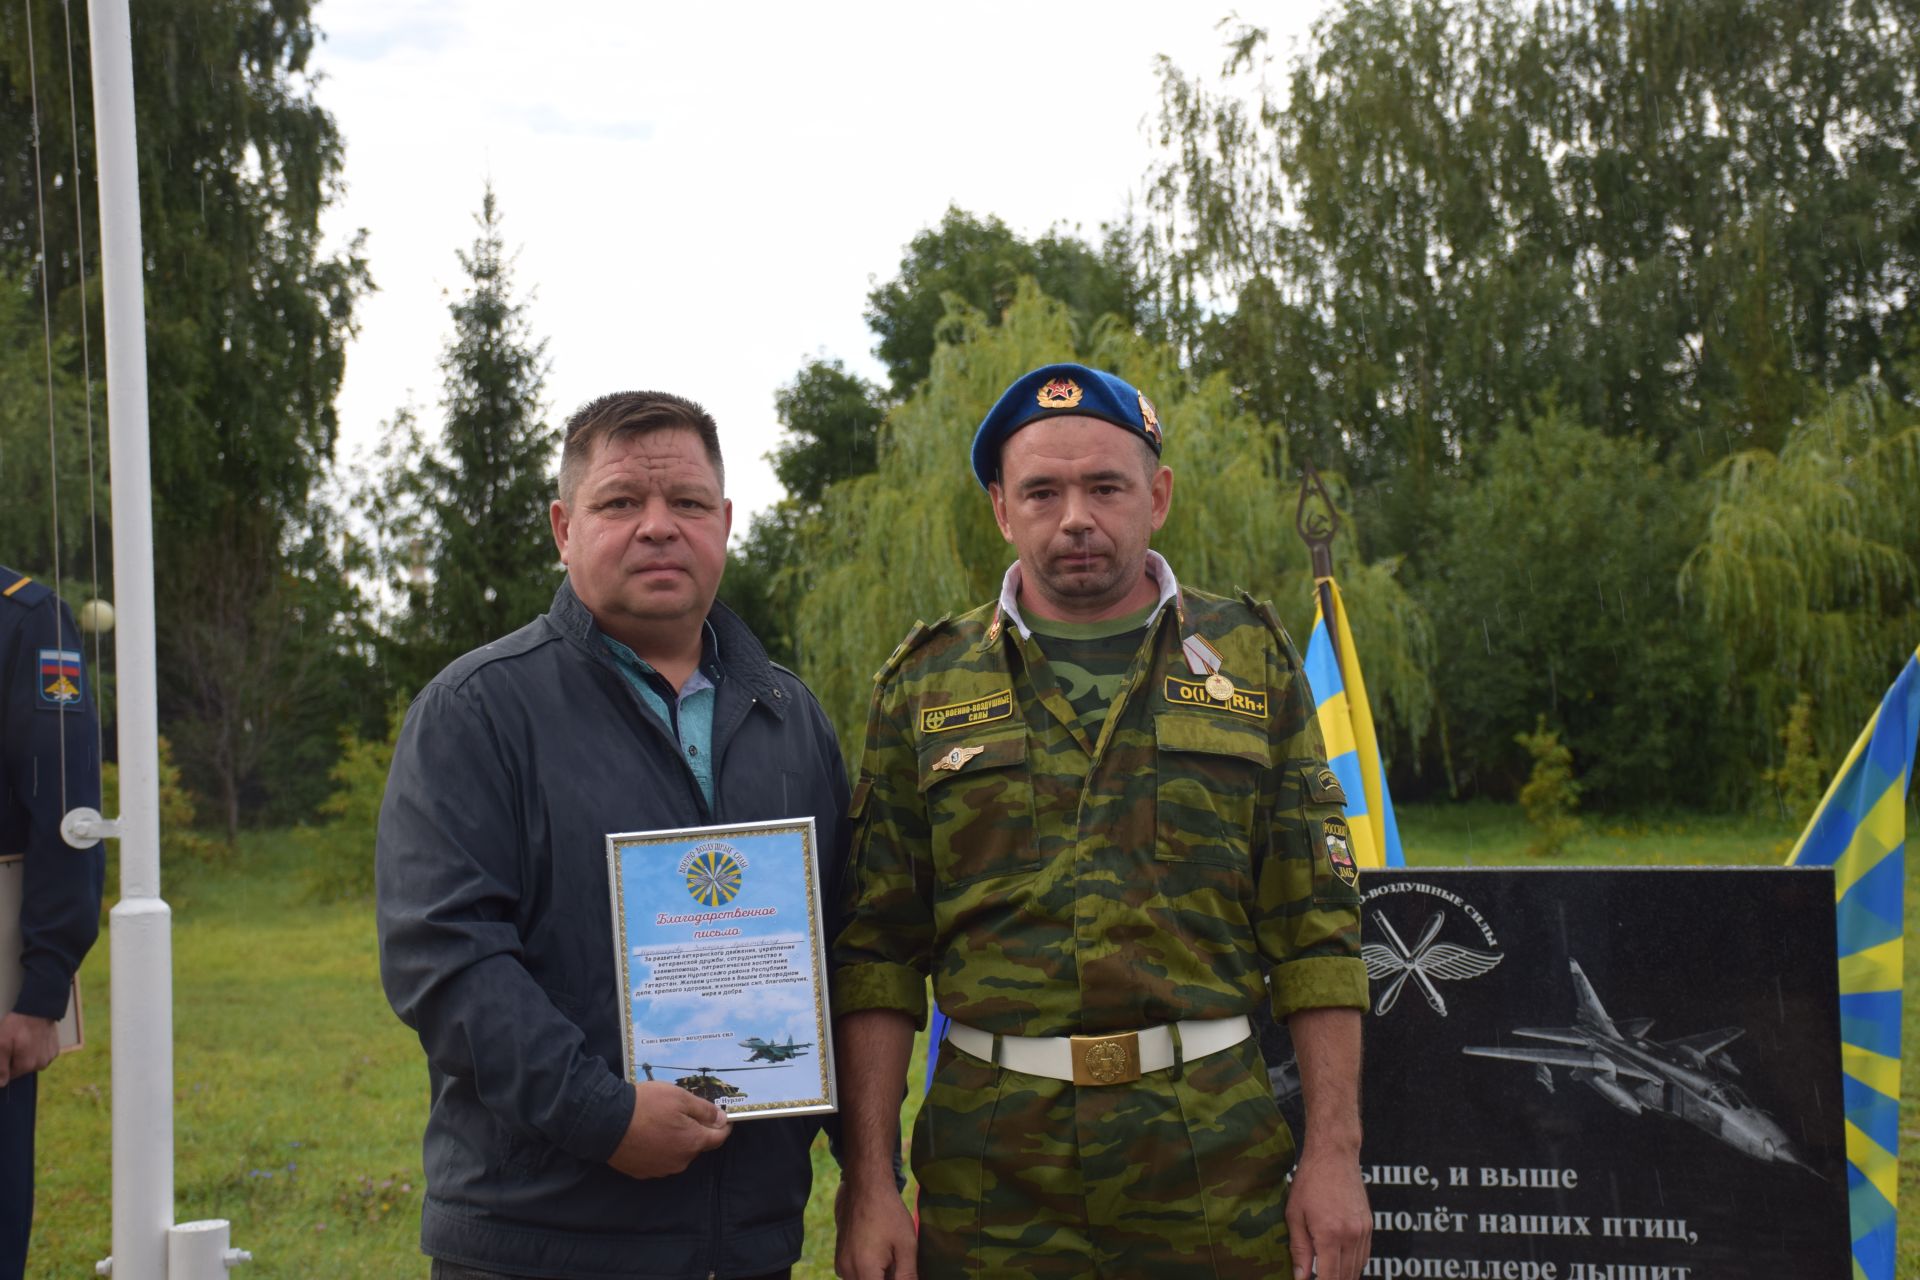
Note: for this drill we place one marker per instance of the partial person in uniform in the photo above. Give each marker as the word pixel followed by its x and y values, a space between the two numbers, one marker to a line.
pixel 49 765
pixel 637 703
pixel 1098 812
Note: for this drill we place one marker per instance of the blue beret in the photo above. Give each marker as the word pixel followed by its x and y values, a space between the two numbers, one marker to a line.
pixel 1054 391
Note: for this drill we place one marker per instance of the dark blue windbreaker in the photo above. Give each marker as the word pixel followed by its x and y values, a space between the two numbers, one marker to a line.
pixel 49 765
pixel 495 945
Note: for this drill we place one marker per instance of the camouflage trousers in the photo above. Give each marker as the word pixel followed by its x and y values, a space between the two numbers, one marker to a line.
pixel 1173 1175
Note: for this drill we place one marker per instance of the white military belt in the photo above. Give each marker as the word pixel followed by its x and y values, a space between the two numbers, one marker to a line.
pixel 1111 1059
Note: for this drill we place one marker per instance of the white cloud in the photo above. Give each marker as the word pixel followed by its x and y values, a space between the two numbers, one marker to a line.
pixel 703 194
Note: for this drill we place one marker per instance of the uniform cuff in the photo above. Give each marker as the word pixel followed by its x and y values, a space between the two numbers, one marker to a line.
pixel 1319 982
pixel 602 1122
pixel 859 987
pixel 43 994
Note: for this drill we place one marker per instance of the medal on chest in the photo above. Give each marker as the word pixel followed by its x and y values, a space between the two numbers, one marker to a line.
pixel 1204 660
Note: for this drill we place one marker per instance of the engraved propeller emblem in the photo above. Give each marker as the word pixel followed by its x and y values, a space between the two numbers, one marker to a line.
pixel 1424 961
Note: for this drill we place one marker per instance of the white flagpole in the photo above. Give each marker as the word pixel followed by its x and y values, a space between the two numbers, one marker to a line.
pixel 141 925
pixel 147 1245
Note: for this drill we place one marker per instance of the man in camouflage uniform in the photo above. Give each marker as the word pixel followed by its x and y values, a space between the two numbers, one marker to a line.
pixel 1098 812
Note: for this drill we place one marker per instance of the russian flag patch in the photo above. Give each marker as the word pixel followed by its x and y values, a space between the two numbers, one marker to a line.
pixel 60 677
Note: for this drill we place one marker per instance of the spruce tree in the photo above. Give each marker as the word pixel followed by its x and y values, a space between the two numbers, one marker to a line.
pixel 480 493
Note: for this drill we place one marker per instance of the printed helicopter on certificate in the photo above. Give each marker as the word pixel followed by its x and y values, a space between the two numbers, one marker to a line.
pixel 705 1082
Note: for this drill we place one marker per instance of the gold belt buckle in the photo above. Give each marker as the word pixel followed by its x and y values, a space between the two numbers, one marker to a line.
pixel 1113 1059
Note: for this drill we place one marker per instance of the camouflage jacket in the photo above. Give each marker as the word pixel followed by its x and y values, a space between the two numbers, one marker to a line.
pixel 1052 885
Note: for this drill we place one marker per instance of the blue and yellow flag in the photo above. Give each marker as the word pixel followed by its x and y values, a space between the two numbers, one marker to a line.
pixel 1860 830
pixel 1346 721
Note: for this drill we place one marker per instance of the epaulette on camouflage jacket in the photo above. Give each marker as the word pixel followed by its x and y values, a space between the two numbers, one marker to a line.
pixel 1053 885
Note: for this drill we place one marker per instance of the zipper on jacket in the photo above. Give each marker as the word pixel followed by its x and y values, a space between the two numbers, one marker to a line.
pixel 717 753
pixel 716 756
pixel 650 724
pixel 713 1258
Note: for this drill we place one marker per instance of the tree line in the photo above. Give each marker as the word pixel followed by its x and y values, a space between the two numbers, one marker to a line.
pixel 1599 318
pixel 1601 315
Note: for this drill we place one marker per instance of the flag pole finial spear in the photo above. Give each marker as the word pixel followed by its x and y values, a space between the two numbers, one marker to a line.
pixel 1317 528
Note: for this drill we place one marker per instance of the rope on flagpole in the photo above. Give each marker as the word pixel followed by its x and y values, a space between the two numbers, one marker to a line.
pixel 46 331
pixel 96 615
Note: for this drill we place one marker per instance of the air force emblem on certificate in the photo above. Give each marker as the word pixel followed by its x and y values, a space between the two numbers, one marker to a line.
pixel 714 873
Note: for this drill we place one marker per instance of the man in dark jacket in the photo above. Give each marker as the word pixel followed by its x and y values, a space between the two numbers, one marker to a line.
pixel 49 766
pixel 637 703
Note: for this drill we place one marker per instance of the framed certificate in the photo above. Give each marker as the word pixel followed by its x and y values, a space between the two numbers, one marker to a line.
pixel 722 965
pixel 13 872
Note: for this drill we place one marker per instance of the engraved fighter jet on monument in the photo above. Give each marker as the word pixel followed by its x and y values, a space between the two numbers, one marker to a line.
pixel 773 1050
pixel 1684 1078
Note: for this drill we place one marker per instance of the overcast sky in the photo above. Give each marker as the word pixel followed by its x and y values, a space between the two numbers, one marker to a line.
pixel 702 194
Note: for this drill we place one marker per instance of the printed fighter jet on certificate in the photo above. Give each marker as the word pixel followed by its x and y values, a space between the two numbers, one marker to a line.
pixel 773 1050
pixel 1682 1078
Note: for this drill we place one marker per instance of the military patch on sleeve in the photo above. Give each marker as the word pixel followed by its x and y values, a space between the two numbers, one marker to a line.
pixel 60 677
pixel 1195 693
pixel 1325 787
pixel 1340 851
pixel 963 715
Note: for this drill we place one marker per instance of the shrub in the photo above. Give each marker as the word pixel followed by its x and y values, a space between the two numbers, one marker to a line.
pixel 340 850
pixel 1551 795
pixel 1799 779
pixel 180 841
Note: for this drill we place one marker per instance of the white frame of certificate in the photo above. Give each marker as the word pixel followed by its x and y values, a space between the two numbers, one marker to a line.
pixel 718 937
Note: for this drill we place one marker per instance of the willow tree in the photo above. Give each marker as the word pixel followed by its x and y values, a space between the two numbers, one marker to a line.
pixel 1676 219
pixel 832 417
pixel 1811 562
pixel 916 537
pixel 981 261
pixel 832 420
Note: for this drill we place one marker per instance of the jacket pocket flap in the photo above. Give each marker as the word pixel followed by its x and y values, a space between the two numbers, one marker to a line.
pixel 1214 734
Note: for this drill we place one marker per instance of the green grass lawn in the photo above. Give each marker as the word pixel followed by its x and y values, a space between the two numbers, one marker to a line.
pixel 299 1098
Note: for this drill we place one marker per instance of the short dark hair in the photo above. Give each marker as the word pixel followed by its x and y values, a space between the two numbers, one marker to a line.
pixel 632 413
